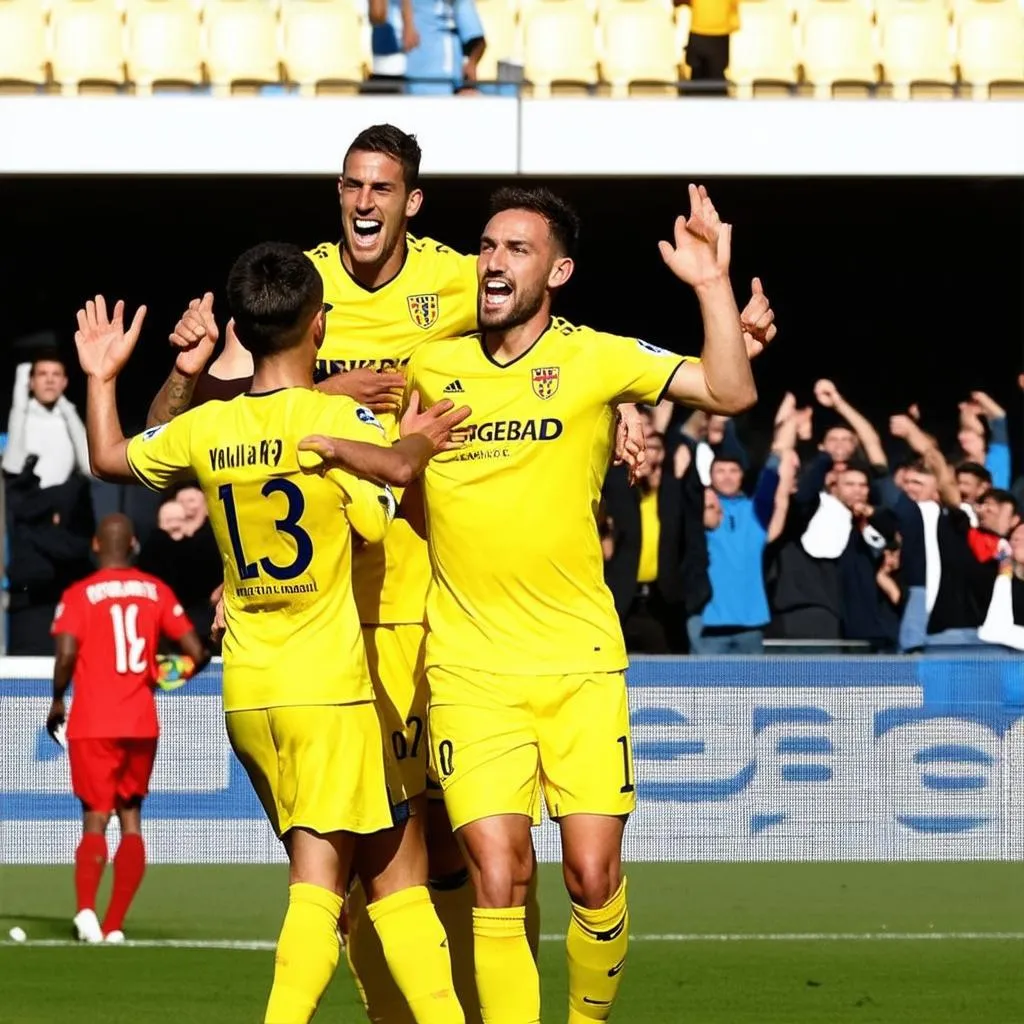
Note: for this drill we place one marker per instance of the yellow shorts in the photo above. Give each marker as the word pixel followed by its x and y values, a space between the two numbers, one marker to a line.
pixel 317 767
pixel 395 656
pixel 496 738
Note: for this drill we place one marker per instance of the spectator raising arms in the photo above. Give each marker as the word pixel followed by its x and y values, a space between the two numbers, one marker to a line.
pixel 44 423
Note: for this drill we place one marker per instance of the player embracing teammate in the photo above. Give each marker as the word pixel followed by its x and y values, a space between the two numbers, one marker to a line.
pixel 505 716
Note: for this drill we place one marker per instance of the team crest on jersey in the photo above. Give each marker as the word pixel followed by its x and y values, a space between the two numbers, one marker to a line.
pixel 424 309
pixel 544 380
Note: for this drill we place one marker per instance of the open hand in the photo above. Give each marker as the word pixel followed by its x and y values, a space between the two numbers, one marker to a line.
pixel 195 336
pixel 379 392
pixel 103 344
pixel 702 243
pixel 437 423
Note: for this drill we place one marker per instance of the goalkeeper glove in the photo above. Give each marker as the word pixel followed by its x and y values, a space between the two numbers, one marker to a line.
pixel 174 671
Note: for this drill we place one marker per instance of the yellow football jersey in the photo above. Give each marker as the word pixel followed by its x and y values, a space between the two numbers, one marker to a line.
pixel 283 531
pixel 518 572
pixel 433 296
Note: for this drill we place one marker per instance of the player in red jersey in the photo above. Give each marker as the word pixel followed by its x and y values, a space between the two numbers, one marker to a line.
pixel 107 627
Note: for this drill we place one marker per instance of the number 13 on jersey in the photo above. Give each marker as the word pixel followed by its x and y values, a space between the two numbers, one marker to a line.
pixel 288 524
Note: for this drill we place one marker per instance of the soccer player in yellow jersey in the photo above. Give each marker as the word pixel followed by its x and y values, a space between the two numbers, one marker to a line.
pixel 297 693
pixel 390 293
pixel 525 656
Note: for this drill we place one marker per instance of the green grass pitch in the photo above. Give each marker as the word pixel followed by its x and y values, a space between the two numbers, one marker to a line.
pixel 879 944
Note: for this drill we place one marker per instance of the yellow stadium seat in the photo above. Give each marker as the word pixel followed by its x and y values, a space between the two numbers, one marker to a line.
pixel 163 44
pixel 838 46
pixel 324 42
pixel 525 7
pixel 965 8
pixel 23 57
pixel 502 35
pixel 88 44
pixel 916 50
pixel 604 7
pixel 639 48
pixel 990 47
pixel 762 51
pixel 241 43
pixel 886 8
pixel 559 46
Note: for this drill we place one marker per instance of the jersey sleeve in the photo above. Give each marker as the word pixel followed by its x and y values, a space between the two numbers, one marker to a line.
pixel 635 370
pixel 174 623
pixel 162 455
pixel 69 616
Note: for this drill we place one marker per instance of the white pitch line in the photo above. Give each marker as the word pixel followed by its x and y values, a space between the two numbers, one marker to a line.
pixel 265 945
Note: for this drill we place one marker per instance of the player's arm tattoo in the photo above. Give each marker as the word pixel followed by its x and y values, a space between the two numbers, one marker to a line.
pixel 172 399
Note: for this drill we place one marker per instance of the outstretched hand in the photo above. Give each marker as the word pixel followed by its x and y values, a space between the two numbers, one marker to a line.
pixel 437 423
pixel 702 246
pixel 104 346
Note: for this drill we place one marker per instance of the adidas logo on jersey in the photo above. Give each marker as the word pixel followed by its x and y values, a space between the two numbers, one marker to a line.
pixel 455 388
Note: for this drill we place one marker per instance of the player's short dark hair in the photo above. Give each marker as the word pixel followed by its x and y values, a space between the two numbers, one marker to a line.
pixel 920 466
pixel 393 142
pixel 274 291
pixel 975 469
pixel 563 221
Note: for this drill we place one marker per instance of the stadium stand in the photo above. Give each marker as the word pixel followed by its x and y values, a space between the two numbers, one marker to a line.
pixel 324 45
pixel 241 44
pixel 88 44
pixel 24 53
pixel 900 48
pixel 838 48
pixel 164 44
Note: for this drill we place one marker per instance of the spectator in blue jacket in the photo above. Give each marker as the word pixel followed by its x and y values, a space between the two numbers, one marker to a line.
pixel 735 617
pixel 434 45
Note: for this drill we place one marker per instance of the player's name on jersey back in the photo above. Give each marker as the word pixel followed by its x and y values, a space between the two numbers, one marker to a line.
pixel 267 453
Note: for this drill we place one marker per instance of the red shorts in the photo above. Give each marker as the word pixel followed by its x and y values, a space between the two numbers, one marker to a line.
pixel 108 773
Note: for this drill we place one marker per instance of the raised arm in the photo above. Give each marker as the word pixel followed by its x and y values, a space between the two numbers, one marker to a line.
pixel 828 396
pixel 424 433
pixel 997 458
pixel 927 448
pixel 15 452
pixel 103 349
pixel 721 381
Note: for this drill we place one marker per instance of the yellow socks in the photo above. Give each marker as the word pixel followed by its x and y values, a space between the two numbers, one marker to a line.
pixel 307 954
pixel 384 1003
pixel 506 973
pixel 416 950
pixel 596 947
pixel 453 900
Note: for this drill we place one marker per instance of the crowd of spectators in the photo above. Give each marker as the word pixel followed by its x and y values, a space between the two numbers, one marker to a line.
pixel 839 541
pixel 842 539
